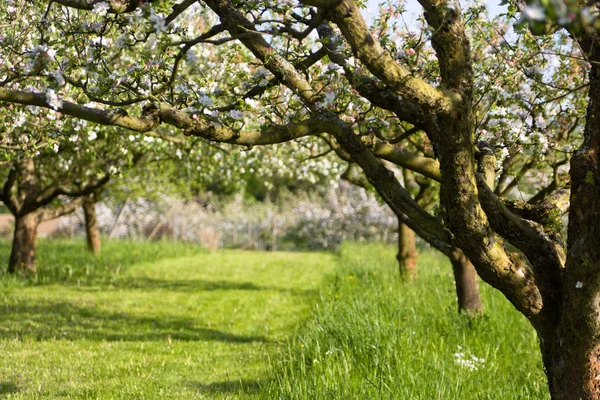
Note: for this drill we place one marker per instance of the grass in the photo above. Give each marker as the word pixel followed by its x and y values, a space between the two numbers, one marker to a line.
pixel 375 337
pixel 170 321
pixel 140 324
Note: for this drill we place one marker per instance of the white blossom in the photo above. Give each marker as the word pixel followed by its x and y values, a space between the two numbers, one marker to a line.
pixel 58 77
pixel 534 13
pixel 579 285
pixel 101 8
pixel 205 100
pixel 158 21
pixel 329 98
pixel 52 99
pixel 236 114
pixel 191 57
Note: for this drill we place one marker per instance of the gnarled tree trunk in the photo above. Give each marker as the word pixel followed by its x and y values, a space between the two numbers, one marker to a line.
pixel 570 344
pixel 467 287
pixel 22 256
pixel 407 252
pixel 91 225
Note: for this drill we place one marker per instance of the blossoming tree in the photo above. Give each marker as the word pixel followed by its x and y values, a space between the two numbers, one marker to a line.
pixel 142 66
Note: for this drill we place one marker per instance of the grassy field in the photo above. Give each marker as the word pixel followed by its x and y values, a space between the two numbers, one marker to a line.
pixel 375 337
pixel 169 321
pixel 127 327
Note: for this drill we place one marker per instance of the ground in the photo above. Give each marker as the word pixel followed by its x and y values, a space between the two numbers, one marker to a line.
pixel 177 328
pixel 172 321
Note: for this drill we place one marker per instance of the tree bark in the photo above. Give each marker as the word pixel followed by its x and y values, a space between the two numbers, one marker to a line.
pixel 571 344
pixel 91 225
pixel 22 256
pixel 407 252
pixel 467 287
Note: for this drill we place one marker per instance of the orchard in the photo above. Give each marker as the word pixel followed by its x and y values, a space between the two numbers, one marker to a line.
pixel 479 132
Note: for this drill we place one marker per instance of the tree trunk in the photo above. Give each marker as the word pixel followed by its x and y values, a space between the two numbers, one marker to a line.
pixel 570 345
pixel 407 252
pixel 467 288
pixel 22 256
pixel 572 363
pixel 91 225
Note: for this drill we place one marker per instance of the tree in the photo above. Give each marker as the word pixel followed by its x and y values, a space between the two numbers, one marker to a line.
pixel 555 289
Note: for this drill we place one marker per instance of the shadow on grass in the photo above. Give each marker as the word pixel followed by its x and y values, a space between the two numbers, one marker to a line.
pixel 197 285
pixel 230 387
pixel 8 387
pixel 64 320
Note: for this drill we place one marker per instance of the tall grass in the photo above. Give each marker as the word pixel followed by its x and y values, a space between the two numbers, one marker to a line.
pixel 375 337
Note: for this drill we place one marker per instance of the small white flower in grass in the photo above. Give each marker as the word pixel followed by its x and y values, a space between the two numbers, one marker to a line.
pixel 11 9
pixel 178 154
pixel 579 285
pixel 92 135
pixel 236 114
pixel 468 361
pixel 101 8
pixel 534 13
pixel 53 101
pixel 55 147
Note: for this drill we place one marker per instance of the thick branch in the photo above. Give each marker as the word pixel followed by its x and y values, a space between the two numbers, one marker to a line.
pixel 347 16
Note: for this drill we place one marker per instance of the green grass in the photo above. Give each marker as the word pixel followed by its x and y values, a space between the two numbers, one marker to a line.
pixel 171 321
pixel 375 337
pixel 126 327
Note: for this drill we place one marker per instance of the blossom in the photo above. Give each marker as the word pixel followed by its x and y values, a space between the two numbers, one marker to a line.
pixel 158 21
pixel 236 114
pixel 92 135
pixel 52 99
pixel 534 13
pixel 329 98
pixel 101 8
pixel 579 285
pixel 191 57
pixel 205 100
pixel 58 77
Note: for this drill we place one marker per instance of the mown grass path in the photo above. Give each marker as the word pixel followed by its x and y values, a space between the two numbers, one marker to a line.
pixel 192 327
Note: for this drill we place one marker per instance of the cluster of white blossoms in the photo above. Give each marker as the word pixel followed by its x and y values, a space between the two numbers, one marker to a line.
pixel 468 361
